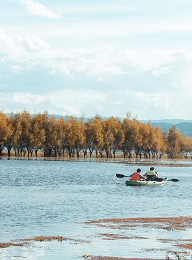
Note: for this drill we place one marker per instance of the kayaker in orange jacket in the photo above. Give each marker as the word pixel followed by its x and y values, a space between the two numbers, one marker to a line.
pixel 136 176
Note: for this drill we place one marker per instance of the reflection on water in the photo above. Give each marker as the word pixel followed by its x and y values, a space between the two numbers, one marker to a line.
pixel 51 198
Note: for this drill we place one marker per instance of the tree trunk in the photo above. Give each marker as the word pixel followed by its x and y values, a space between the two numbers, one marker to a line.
pixel 9 152
pixel 24 152
pixel 85 153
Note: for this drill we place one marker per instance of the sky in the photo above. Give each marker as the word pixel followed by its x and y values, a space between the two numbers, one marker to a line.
pixel 87 58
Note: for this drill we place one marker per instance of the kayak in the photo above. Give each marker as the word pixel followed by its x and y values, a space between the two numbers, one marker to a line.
pixel 156 182
pixel 145 183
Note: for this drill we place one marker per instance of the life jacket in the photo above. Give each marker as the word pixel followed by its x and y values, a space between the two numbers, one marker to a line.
pixel 135 177
pixel 151 173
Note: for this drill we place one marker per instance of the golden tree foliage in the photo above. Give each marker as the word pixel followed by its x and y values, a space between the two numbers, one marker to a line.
pixel 95 138
pixel 5 131
pixel 75 135
pixel 118 136
pixel 132 136
pixel 24 133
pixel 108 135
pixel 52 135
pixel 173 142
pixel 37 133
pixel 159 145
pixel 15 124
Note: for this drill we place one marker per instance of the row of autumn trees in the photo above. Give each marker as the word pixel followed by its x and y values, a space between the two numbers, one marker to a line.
pixel 27 134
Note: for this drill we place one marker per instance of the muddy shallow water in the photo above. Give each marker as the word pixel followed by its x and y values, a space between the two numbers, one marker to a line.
pixel 59 199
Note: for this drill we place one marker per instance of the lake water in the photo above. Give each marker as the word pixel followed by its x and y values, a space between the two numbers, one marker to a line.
pixel 51 198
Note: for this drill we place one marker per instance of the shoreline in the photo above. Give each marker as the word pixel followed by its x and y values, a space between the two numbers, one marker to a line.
pixel 129 161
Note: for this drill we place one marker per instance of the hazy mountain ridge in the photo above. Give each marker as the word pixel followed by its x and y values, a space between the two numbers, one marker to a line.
pixel 184 127
pixel 170 121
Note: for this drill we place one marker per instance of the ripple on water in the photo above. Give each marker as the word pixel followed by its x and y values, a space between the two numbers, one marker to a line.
pixel 48 198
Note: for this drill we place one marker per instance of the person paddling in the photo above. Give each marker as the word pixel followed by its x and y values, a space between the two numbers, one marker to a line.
pixel 151 174
pixel 136 176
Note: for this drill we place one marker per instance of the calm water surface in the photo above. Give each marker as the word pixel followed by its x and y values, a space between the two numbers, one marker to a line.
pixel 50 198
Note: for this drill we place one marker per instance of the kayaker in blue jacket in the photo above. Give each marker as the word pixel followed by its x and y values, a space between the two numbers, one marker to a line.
pixel 151 174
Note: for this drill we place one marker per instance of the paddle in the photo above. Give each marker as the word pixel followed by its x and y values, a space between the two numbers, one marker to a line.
pixel 163 179
pixel 174 180
pixel 121 175
pixel 160 179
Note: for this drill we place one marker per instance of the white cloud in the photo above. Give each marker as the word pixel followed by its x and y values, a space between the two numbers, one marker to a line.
pixel 105 68
pixel 16 49
pixel 126 29
pixel 183 80
pixel 61 102
pixel 114 103
pixel 149 57
pixel 94 7
pixel 37 9
pixel 34 44
pixel 166 105
pixel 155 100
pixel 164 70
pixel 22 98
pixel 72 101
pixel 16 68
pixel 10 48
pixel 97 62
pixel 106 64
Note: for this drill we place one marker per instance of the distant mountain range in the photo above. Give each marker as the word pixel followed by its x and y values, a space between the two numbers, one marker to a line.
pixel 183 126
